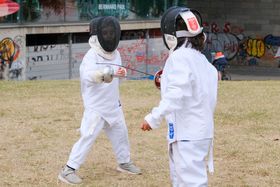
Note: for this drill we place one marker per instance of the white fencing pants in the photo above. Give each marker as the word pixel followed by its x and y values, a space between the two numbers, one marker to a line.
pixel 117 133
pixel 187 161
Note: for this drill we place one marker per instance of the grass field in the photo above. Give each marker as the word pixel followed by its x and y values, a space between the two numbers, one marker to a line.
pixel 39 122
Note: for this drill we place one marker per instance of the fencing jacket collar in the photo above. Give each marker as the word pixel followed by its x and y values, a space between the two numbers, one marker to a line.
pixel 94 43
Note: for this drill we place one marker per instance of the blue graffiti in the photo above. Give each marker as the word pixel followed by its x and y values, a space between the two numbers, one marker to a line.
pixel 272 40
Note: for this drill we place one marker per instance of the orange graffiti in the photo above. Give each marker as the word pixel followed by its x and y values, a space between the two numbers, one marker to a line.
pixel 255 47
pixel 8 50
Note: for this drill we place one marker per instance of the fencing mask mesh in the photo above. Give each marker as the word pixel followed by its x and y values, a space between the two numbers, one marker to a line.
pixel 108 33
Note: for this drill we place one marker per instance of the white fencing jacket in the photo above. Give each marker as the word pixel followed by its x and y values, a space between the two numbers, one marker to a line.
pixel 188 96
pixel 99 98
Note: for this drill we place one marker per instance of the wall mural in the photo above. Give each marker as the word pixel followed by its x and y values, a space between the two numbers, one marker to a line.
pixel 241 49
pixel 11 62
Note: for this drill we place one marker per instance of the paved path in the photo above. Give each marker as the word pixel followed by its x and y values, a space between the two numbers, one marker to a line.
pixel 254 73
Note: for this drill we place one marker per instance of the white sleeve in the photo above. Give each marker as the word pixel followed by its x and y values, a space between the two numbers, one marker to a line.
pixel 89 71
pixel 178 85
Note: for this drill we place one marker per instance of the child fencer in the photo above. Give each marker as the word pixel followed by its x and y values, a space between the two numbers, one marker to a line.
pixel 100 94
pixel 188 99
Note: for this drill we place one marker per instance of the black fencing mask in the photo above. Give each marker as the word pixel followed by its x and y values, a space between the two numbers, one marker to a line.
pixel 93 26
pixel 179 22
pixel 108 33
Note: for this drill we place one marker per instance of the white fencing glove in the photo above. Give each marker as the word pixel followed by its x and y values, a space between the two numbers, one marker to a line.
pixel 106 75
pixel 97 76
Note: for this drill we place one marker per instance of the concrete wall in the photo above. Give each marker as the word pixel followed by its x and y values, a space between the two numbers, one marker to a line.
pixel 53 61
pixel 260 17
pixel 247 30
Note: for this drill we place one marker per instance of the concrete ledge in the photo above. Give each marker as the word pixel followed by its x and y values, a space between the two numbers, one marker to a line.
pixel 253 73
pixel 47 28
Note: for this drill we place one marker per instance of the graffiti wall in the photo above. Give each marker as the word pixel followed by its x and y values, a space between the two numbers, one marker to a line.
pixel 242 49
pixel 12 55
pixel 47 62
pixel 52 61
pixel 62 61
pixel 145 55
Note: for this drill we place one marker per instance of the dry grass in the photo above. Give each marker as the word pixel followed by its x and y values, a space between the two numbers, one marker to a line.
pixel 38 122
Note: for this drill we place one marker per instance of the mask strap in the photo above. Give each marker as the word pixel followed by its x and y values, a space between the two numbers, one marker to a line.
pixel 205 37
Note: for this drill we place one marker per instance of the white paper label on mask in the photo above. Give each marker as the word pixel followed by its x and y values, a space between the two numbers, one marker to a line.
pixel 191 22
